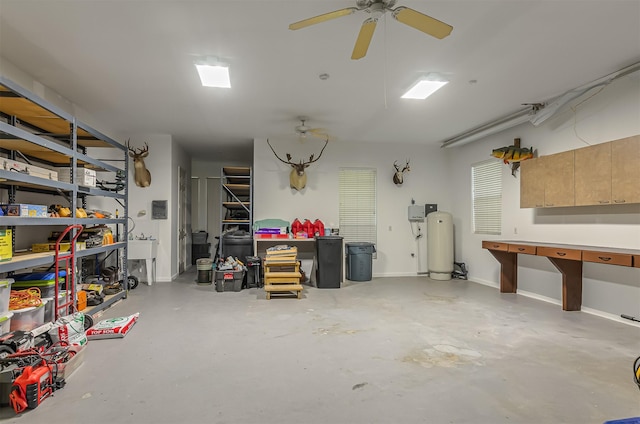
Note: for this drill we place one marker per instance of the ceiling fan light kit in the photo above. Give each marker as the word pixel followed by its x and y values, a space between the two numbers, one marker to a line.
pixel 213 73
pixel 377 8
pixel 425 87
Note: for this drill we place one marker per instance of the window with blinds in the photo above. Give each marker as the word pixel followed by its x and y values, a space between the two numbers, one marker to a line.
pixel 487 197
pixel 358 221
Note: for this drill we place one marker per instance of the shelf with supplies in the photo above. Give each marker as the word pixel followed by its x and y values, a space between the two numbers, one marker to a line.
pixel 49 172
pixel 236 197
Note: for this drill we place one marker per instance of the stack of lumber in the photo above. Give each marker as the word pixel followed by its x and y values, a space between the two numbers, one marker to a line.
pixel 282 271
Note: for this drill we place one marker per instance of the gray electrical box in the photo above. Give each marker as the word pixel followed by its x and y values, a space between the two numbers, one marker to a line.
pixel 416 213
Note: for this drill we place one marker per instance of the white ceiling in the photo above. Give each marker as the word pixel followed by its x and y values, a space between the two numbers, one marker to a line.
pixel 129 63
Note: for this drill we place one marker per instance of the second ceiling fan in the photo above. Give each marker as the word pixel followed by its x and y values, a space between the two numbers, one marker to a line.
pixel 377 8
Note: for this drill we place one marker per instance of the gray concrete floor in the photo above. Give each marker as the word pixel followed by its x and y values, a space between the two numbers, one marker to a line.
pixel 392 350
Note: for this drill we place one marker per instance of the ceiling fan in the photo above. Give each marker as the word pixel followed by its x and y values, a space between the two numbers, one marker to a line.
pixel 303 130
pixel 377 8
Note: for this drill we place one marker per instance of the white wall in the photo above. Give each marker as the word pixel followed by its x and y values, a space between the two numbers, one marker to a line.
pixel 273 198
pixel 611 114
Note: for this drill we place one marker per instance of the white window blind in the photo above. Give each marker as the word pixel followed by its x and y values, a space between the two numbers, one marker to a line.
pixel 487 197
pixel 358 221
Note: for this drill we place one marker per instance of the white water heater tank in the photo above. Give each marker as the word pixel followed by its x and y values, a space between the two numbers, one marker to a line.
pixel 440 245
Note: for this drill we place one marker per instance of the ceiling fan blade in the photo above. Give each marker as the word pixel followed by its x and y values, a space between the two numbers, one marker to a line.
pixel 364 38
pixel 422 22
pixel 322 18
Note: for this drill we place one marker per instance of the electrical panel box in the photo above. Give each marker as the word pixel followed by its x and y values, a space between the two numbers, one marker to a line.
pixel 430 207
pixel 416 213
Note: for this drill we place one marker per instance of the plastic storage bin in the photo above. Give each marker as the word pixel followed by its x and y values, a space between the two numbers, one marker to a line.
pixel 229 280
pixel 42 280
pixel 199 238
pixel 5 322
pixel 359 261
pixel 5 291
pixel 28 318
pixel 49 307
pixel 329 256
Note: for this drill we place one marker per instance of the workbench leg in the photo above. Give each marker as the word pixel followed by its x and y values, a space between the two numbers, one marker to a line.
pixel 571 283
pixel 508 270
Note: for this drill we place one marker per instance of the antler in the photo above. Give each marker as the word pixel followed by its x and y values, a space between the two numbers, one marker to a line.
pixel 281 160
pixel 136 151
pixel 406 166
pixel 311 159
pixel 395 165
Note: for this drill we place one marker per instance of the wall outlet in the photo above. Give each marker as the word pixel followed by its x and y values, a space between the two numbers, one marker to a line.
pixel 515 230
pixel 390 228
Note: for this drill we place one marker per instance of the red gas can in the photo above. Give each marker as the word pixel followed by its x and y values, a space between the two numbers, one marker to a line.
pixel 318 228
pixel 307 227
pixel 296 227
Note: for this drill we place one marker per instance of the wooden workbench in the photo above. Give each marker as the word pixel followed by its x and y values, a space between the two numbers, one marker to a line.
pixel 566 258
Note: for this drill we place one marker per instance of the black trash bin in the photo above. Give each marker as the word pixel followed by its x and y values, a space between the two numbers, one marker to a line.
pixel 238 244
pixel 329 257
pixel 359 261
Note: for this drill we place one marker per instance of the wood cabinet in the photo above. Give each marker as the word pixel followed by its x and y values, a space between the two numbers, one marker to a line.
pixel 532 177
pixel 625 170
pixel 547 181
pixel 602 174
pixel 559 179
pixel 593 175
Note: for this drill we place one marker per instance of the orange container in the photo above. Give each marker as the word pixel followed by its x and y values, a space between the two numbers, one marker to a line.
pixel 82 300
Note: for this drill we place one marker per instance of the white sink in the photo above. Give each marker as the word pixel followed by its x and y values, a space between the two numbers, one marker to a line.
pixel 142 249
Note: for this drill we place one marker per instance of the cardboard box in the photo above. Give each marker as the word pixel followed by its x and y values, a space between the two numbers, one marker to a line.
pixel 34 171
pixel 84 176
pixel 26 210
pixel 6 244
pixel 46 247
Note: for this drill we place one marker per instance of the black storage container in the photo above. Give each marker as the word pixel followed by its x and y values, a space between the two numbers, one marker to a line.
pixel 252 277
pixel 329 257
pixel 200 251
pixel 238 244
pixel 359 261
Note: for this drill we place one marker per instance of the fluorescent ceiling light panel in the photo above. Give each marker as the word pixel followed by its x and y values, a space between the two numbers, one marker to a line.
pixel 425 87
pixel 214 74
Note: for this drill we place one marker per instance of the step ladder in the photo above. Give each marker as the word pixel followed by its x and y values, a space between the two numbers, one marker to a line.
pixel 282 277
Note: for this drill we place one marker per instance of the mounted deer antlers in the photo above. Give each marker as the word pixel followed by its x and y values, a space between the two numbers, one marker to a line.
pixel 141 173
pixel 297 177
pixel 397 176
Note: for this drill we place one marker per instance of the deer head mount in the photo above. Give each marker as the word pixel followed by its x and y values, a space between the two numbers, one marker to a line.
pixel 141 174
pixel 298 177
pixel 397 176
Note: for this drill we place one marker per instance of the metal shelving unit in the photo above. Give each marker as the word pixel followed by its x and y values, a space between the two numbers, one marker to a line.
pixel 41 132
pixel 236 199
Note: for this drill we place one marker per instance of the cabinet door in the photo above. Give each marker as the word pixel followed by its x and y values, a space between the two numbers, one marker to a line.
pixel 559 180
pixel 593 175
pixel 532 175
pixel 625 170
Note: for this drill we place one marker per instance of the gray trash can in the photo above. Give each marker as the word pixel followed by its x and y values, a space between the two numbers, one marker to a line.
pixel 359 261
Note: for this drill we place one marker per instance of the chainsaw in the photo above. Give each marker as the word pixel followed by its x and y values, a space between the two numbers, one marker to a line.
pixel 35 384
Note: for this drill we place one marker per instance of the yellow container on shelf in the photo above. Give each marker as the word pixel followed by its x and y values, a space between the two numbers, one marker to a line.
pixel 6 244
pixel 46 247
